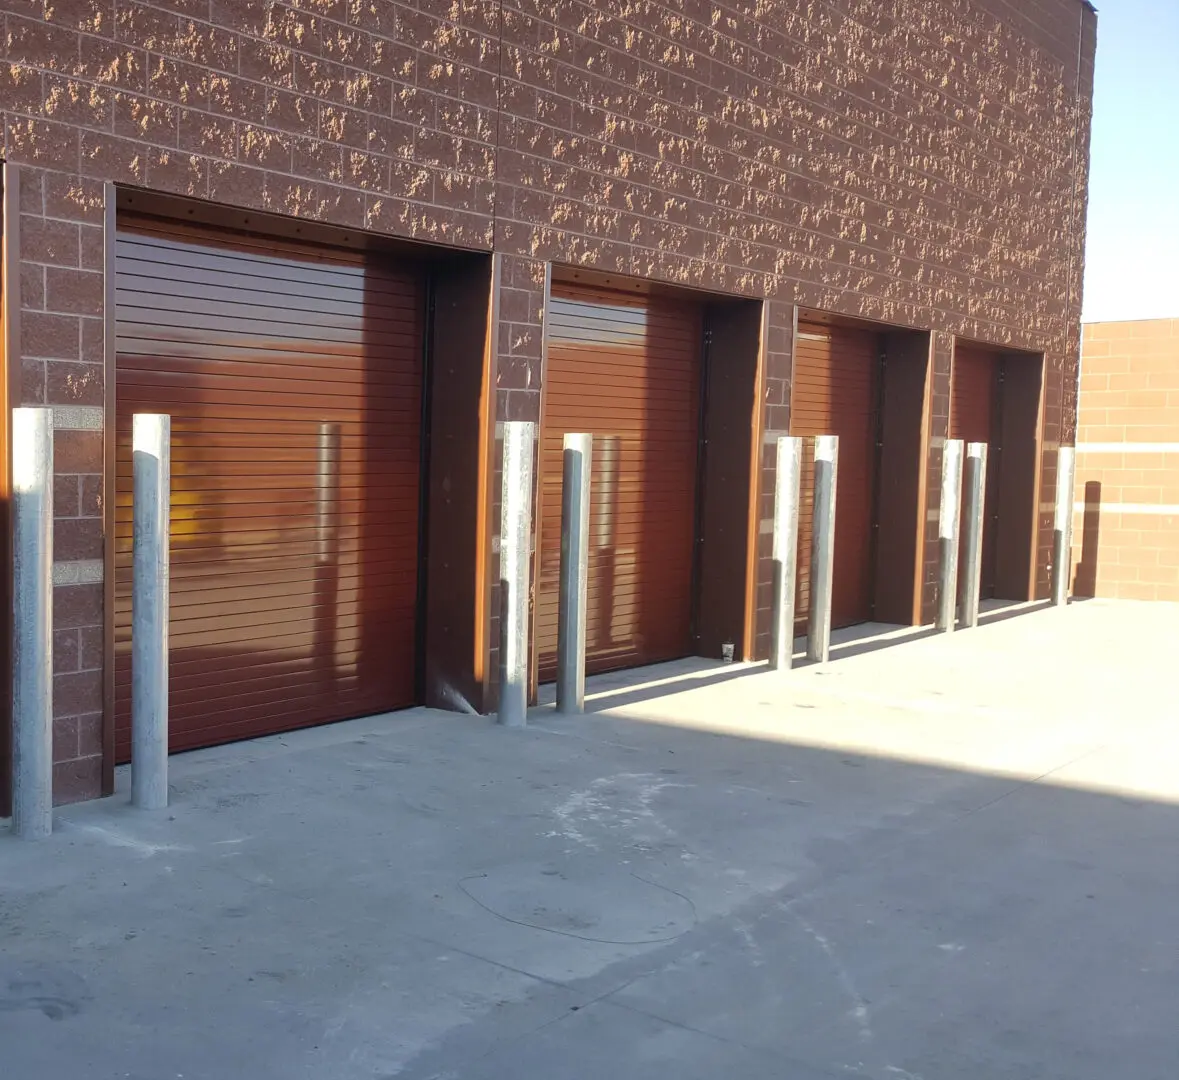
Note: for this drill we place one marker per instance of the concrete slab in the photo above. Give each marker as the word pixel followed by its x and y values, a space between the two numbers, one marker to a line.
pixel 934 856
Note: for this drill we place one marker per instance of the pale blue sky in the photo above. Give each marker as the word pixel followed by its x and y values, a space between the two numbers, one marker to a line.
pixel 1132 262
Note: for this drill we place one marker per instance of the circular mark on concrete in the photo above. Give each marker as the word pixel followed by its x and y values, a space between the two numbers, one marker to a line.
pixel 594 902
pixel 56 993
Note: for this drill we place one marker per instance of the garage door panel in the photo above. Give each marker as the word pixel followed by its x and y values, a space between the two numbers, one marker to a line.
pixel 973 410
pixel 834 393
pixel 293 376
pixel 625 369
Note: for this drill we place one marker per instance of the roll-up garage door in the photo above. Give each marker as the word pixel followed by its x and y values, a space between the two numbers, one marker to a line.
pixel 293 376
pixel 835 393
pixel 974 392
pixel 627 370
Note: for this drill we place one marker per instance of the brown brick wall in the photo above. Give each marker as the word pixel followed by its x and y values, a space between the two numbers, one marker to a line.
pixel 777 360
pixel 919 164
pixel 61 357
pixel 1126 528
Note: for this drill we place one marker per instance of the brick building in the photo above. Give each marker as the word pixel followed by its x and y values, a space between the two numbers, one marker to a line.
pixel 339 242
pixel 1126 525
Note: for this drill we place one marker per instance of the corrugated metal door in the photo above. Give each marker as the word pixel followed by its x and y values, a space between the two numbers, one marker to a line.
pixel 294 380
pixel 835 393
pixel 974 392
pixel 627 370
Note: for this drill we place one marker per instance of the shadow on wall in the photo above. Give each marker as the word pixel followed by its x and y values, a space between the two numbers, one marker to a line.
pixel 1085 578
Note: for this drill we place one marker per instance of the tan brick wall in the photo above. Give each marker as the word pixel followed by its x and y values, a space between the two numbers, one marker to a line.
pixel 1126 525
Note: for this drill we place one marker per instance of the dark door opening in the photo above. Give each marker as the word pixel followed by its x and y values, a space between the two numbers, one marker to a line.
pixel 996 398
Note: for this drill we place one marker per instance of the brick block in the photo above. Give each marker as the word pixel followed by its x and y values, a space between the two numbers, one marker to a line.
pixel 74 781
pixel 77 692
pixel 78 292
pixel 67 649
pixel 77 451
pixel 49 336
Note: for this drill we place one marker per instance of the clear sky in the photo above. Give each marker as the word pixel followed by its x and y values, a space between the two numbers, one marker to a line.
pixel 1132 262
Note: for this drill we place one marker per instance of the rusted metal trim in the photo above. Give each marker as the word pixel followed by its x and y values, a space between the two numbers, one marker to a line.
pixel 753 525
pixel 923 481
pixel 109 230
pixel 484 502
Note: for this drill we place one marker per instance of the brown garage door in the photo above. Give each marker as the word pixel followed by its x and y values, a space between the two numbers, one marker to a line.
pixel 834 393
pixel 293 377
pixel 626 369
pixel 974 395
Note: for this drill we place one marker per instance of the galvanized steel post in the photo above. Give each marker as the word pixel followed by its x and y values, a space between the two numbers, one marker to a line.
pixel 32 637
pixel 971 573
pixel 515 550
pixel 574 580
pixel 818 645
pixel 1062 553
pixel 949 518
pixel 151 436
pixel 786 499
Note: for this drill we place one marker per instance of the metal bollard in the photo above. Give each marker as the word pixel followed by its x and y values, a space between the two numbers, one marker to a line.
pixel 818 645
pixel 515 553
pixel 971 572
pixel 574 578
pixel 786 501
pixel 949 519
pixel 1062 553
pixel 32 638
pixel 151 439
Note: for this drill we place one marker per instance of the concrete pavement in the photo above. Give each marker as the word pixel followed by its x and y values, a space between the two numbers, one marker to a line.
pixel 945 858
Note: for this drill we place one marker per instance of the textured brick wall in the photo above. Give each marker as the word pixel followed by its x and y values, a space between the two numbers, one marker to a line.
pixel 61 332
pixel 922 164
pixel 1126 525
pixel 777 360
pixel 901 161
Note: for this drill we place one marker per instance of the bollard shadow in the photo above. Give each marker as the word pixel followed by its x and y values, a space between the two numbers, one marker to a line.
pixel 631 686
pixel 996 611
pixel 1085 578
pixel 874 637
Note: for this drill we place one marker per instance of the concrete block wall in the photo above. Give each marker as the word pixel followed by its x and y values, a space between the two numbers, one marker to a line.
pixel 1126 524
pixel 60 336
pixel 923 165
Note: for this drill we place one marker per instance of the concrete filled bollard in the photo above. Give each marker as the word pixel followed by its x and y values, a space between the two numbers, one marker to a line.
pixel 949 521
pixel 515 558
pixel 573 587
pixel 32 608
pixel 975 484
pixel 818 645
pixel 151 437
pixel 787 492
pixel 1062 547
